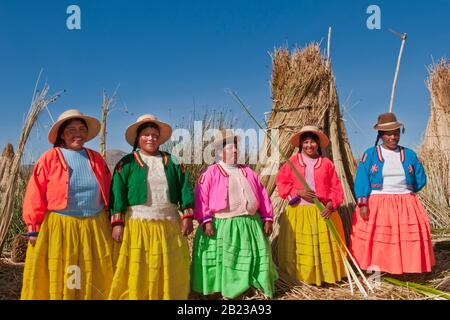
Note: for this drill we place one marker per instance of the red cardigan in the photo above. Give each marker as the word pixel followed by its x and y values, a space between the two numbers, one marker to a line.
pixel 48 187
pixel 328 186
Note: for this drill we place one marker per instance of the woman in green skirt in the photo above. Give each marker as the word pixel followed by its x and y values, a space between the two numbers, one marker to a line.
pixel 231 251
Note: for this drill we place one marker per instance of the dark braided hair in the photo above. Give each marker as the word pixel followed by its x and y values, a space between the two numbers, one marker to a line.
pixel 380 133
pixel 313 136
pixel 141 128
pixel 59 141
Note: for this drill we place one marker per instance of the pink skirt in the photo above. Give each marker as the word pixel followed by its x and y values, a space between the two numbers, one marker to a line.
pixel 396 236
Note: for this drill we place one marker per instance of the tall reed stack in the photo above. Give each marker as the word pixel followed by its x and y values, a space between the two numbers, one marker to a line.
pixel 435 149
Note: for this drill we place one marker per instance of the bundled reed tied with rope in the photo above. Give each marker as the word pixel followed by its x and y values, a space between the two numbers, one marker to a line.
pixel 39 102
pixel 435 149
pixel 304 93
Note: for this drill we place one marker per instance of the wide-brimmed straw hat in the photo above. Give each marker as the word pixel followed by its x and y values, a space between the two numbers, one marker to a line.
pixel 165 130
pixel 225 135
pixel 323 139
pixel 92 124
pixel 387 122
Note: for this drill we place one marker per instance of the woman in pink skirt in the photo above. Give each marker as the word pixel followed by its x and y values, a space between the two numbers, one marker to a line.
pixel 391 232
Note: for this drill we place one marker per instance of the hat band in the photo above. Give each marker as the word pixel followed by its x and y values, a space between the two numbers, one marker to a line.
pixel 388 124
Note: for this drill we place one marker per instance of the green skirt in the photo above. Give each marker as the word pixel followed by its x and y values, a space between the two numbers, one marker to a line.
pixel 236 258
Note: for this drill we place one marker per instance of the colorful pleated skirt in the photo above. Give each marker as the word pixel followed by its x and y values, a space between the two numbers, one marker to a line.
pixel 307 251
pixel 235 259
pixel 395 238
pixel 72 259
pixel 153 262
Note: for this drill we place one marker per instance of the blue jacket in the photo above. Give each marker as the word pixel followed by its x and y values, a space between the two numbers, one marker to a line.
pixel 369 175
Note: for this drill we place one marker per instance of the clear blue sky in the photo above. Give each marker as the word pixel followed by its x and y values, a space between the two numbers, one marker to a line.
pixel 165 54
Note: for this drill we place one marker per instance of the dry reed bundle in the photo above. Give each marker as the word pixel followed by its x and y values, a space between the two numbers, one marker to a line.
pixel 5 165
pixel 304 93
pixel 38 103
pixel 435 149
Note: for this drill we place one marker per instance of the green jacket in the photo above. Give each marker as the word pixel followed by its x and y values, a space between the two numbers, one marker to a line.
pixel 129 186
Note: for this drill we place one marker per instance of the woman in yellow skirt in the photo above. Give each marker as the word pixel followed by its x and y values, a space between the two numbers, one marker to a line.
pixel 307 250
pixel 148 189
pixel 65 207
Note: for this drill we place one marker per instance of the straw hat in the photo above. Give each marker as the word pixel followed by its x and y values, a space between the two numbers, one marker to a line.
pixel 92 124
pixel 165 130
pixel 323 139
pixel 387 122
pixel 225 135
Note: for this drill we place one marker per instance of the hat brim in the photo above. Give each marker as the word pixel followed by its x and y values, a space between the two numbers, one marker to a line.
pixel 92 123
pixel 323 139
pixel 165 131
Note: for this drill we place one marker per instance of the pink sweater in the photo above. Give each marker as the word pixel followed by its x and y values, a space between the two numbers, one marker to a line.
pixel 211 193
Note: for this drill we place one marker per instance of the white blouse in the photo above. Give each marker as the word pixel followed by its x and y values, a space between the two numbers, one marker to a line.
pixel 394 180
pixel 158 205
pixel 241 198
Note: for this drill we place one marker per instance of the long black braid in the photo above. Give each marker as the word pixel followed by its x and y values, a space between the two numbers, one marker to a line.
pixel 380 133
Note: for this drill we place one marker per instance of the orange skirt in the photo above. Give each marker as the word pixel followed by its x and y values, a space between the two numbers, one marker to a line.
pixel 396 236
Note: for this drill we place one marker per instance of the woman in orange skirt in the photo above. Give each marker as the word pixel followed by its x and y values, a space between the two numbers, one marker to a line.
pixel 391 232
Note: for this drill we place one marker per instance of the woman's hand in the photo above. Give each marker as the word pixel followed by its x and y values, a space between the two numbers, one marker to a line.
pixel 268 228
pixel 187 226
pixel 364 212
pixel 208 228
pixel 117 233
pixel 32 240
pixel 328 211
pixel 308 195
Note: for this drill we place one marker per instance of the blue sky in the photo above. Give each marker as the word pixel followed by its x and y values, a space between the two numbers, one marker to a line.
pixel 167 54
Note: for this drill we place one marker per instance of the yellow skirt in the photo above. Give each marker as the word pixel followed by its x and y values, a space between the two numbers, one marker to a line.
pixel 153 262
pixel 72 259
pixel 307 250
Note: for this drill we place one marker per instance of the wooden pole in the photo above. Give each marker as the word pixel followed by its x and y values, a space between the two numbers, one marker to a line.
pixel 103 126
pixel 108 103
pixel 391 105
pixel 329 46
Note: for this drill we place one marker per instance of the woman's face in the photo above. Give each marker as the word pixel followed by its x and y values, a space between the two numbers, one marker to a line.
pixel 310 147
pixel 149 140
pixel 229 153
pixel 391 138
pixel 75 135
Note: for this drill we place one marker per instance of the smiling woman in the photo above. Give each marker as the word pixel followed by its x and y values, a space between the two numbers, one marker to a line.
pixel 72 134
pixel 149 190
pixel 65 208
